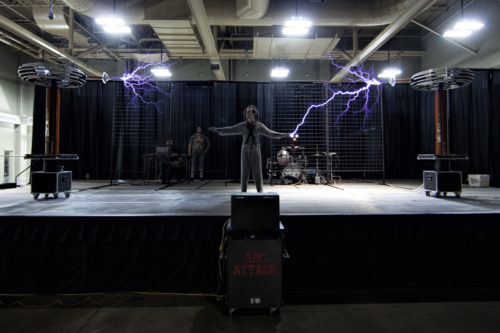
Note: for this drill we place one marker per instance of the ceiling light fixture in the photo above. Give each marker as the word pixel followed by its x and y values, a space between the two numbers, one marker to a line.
pixel 390 72
pixel 280 72
pixel 466 24
pixel 296 26
pixel 116 29
pixel 161 72
pixel 464 27
pixel 457 33
pixel 109 20
pixel 113 24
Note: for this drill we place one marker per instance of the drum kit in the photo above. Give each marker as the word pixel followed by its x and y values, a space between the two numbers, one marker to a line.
pixel 290 166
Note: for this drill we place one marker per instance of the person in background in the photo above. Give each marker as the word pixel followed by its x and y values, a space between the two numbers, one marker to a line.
pixel 251 129
pixel 197 148
pixel 171 163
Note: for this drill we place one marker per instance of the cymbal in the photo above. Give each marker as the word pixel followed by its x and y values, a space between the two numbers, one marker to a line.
pixel 295 147
pixel 317 155
pixel 329 153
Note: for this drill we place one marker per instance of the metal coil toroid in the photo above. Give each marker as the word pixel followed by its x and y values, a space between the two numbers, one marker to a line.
pixel 442 79
pixel 52 75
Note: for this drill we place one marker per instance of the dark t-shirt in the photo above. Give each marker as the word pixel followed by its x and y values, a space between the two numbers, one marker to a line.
pixel 198 142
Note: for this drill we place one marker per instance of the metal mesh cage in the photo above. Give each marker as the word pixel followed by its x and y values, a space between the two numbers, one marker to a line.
pixel 345 135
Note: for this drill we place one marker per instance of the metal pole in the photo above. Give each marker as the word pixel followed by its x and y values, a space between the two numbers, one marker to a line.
pixel 71 30
pixel 112 150
pixel 327 141
pixel 382 134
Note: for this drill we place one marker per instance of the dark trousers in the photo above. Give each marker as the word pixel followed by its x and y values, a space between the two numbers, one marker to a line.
pixel 169 171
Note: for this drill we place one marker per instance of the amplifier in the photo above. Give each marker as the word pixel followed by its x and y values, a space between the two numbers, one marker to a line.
pixel 443 182
pixel 254 274
pixel 51 182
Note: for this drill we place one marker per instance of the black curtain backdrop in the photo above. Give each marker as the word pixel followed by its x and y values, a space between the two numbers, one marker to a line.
pixel 39 111
pixel 39 118
pixel 408 129
pixel 86 128
pixel 469 123
pixel 494 128
pixel 408 120
pixel 225 151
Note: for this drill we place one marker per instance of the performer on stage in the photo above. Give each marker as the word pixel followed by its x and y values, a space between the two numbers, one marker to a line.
pixel 250 129
pixel 197 148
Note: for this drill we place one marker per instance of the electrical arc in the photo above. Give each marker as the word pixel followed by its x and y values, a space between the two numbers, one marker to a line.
pixel 141 84
pixel 358 77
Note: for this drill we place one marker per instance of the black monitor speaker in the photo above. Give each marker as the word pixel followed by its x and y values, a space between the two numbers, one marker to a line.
pixel 255 211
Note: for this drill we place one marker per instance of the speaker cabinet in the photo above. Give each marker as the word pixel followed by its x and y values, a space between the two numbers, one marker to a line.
pixel 443 182
pixel 254 274
pixel 51 182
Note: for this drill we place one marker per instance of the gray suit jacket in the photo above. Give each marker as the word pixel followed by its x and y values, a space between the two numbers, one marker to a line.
pixel 241 128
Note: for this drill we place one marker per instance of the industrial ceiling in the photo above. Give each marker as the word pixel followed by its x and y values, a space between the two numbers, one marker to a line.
pixel 352 32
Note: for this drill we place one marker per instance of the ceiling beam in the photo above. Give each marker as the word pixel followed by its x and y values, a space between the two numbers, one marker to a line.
pixel 468 49
pixel 91 50
pixel 392 29
pixel 200 16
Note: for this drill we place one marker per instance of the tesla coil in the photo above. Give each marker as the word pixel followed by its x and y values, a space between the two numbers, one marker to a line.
pixel 440 80
pixel 253 253
pixel 52 179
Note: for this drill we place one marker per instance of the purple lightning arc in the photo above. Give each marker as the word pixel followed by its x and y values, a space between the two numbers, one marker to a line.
pixel 141 83
pixel 358 77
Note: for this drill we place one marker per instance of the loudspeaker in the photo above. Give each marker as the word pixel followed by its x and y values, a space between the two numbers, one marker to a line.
pixel 443 181
pixel 51 182
pixel 254 274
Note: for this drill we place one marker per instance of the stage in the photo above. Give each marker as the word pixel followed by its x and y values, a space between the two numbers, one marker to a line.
pixel 343 238
pixel 212 198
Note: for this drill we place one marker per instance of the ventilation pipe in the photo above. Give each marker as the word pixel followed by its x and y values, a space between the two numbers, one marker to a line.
pixel 360 13
pixel 131 11
pixel 17 30
pixel 251 9
pixel 58 25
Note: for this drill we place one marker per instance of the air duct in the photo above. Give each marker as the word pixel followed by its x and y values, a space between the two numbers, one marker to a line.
pixel 17 30
pixel 131 11
pixel 57 25
pixel 361 13
pixel 251 9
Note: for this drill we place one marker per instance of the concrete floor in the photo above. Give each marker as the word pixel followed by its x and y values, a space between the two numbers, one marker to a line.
pixel 162 313
pixel 143 312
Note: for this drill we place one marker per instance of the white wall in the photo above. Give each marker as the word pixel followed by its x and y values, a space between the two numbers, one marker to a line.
pixel 16 100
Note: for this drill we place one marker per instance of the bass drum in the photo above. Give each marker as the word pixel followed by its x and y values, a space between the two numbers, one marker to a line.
pixel 283 157
pixel 291 174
